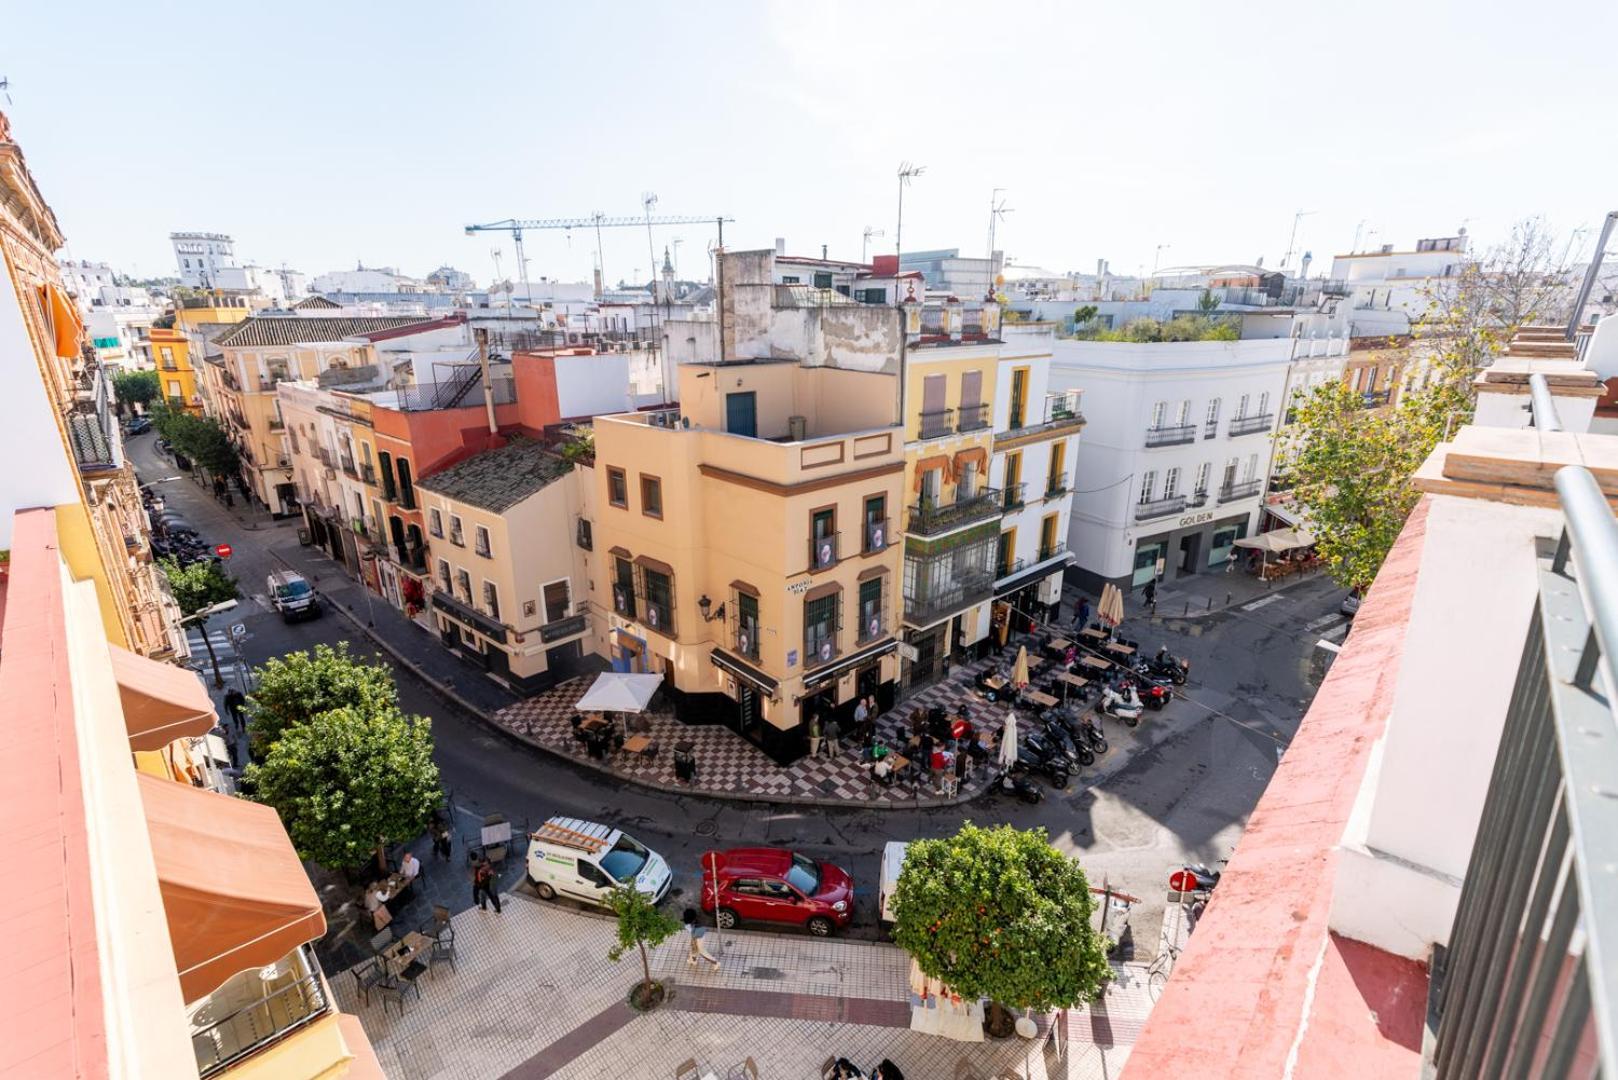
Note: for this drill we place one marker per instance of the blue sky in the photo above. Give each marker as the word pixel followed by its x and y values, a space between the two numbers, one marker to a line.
pixel 319 134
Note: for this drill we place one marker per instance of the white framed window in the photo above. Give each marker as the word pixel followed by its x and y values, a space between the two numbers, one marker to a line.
pixel 1160 412
pixel 1264 403
pixel 1241 407
pixel 480 541
pixel 1184 416
pixel 1148 483
pixel 1202 477
pixel 1252 467
pixel 1171 481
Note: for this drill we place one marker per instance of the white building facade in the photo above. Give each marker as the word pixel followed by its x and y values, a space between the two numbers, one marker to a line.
pixel 1386 291
pixel 1176 452
pixel 200 256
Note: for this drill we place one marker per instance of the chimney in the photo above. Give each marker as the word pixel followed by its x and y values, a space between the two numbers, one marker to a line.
pixel 822 252
pixel 780 245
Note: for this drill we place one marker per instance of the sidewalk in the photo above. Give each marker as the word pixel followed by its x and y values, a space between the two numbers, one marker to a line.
pixel 1197 594
pixel 532 995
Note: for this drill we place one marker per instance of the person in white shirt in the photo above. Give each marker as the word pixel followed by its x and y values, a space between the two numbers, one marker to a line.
pixel 409 867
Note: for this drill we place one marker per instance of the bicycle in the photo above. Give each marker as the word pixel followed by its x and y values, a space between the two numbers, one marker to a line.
pixel 1157 975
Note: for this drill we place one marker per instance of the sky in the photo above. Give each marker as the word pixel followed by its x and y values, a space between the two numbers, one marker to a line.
pixel 324 135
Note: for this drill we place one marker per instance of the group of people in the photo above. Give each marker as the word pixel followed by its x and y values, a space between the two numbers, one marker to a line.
pixel 826 736
pixel 390 887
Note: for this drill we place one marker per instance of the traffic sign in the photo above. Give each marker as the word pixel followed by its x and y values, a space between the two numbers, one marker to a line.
pixel 223 551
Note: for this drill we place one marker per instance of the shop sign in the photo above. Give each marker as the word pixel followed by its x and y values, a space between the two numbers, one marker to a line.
pixel 909 652
pixel 801 586
pixel 1197 519
pixel 792 658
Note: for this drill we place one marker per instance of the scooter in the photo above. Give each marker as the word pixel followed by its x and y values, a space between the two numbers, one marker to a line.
pixel 1154 693
pixel 1125 705
pixel 1014 781
pixel 1165 665
pixel 1039 756
pixel 1062 739
pixel 1090 731
pixel 1080 728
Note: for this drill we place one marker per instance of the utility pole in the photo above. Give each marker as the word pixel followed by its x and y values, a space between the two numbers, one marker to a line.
pixel 482 335
pixel 907 172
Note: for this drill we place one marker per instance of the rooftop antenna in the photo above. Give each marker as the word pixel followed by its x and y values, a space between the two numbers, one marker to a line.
pixel 5 88
pixel 865 245
pixel 1357 229
pixel 997 212
pixel 1291 240
pixel 1157 255
pixel 907 172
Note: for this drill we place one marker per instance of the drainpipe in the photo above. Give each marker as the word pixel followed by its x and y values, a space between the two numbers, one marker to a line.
pixel 488 386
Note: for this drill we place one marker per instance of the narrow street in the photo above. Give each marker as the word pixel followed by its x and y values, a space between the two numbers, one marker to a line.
pixel 1184 795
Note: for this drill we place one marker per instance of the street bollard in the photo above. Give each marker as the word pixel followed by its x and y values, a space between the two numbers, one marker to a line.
pixel 1187 610
pixel 1227 599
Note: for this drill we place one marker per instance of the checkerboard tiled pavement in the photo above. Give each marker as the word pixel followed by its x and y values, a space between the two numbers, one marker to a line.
pixel 728 764
pixel 532 995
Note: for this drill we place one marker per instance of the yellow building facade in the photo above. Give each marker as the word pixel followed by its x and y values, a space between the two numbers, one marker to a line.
pixel 177 380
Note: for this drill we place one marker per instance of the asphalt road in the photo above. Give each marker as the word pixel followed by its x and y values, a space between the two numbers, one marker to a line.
pixel 1182 795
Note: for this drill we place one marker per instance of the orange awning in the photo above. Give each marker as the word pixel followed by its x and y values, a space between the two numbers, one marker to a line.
pixel 161 702
pixel 234 892
pixel 65 324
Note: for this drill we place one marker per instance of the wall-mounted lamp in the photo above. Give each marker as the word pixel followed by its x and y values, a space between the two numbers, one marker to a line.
pixel 703 604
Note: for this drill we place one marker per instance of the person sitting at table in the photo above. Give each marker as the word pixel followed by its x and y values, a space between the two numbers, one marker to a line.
pixel 883 771
pixel 376 898
pixel 409 867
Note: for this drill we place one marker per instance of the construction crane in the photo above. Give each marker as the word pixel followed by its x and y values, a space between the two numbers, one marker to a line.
pixel 597 221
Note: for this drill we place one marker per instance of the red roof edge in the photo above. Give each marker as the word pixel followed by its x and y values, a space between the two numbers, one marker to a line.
pixel 441 323
pixel 1263 983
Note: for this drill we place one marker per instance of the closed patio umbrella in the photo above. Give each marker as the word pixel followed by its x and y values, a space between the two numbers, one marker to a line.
pixel 1019 670
pixel 1110 610
pixel 1008 740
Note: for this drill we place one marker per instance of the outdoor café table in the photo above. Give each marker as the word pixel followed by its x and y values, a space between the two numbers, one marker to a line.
pixel 402 953
pixel 1092 635
pixel 637 744
pixel 1120 650
pixel 593 723
pixel 1039 697
pixel 1060 644
pixel 1072 679
pixel 995 682
pixel 1094 662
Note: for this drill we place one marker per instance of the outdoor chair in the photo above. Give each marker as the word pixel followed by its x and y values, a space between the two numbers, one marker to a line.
pixel 381 940
pixel 395 990
pixel 746 1070
pixel 687 1070
pixel 444 949
pixel 439 925
pixel 367 976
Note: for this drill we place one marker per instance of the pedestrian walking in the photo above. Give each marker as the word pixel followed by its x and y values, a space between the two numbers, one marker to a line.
pixel 234 700
pixel 1230 561
pixel 440 833
pixel 699 951
pixel 833 732
pixel 484 886
pixel 814 735
pixel 1150 594
pixel 1084 613
pixel 861 716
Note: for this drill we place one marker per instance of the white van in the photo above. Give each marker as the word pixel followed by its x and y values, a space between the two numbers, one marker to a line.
pixel 585 861
pixel 893 861
pixel 291 595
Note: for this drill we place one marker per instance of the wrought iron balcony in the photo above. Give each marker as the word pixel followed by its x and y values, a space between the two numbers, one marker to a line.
pixel 1251 425
pixel 971 588
pixel 1157 508
pixel 1052 550
pixel 973 417
pixel 1013 496
pixel 930 519
pixel 1244 490
pixel 936 424
pixel 260 1022
pixel 1171 435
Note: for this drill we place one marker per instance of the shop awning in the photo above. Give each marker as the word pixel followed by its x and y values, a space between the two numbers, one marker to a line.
pixel 235 895
pixel 854 659
pixel 743 670
pixel 161 702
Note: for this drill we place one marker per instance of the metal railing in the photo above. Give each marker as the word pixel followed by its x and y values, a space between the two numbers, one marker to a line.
pixel 928 518
pixel 936 424
pixel 970 588
pixel 252 1027
pixel 1012 496
pixel 1156 508
pixel 1051 550
pixel 877 536
pixel 1011 566
pixel 1528 983
pixel 1210 429
pixel 823 551
pixel 1249 425
pixel 349 469
pixel 1171 435
pixel 1243 490
pixel 1335 287
pixel 460 392
pixel 972 417
pixel 368 473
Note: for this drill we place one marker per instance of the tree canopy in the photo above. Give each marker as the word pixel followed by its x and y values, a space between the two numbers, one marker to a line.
pixel 200 438
pixel 348 782
pixel 1179 328
pixel 1000 914
pixel 135 387
pixel 641 925
pixel 297 687
pixel 199 585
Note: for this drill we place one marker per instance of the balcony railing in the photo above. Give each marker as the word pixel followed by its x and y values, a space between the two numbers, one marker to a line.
pixel 1156 508
pixel 1009 567
pixel 1210 429
pixel 457 608
pixel 1055 487
pixel 1198 498
pixel 1527 986
pixel 368 473
pixel 325 457
pixel 1012 496
pixel 1250 425
pixel 1171 435
pixel 966 590
pixel 873 624
pixel 1375 399
pixel 1244 490
pixel 277 423
pixel 929 519
pixel 230 379
pixel 823 551
pixel 972 417
pixel 937 424
pixel 349 469
pixel 1335 287
pixel 256 1025
pixel 878 536
pixel 1052 550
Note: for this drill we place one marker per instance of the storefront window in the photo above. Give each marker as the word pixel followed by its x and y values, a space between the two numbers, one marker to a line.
pixel 1146 556
pixel 1224 541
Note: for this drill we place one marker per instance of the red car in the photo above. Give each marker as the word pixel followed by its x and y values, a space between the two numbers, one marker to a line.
pixel 776 885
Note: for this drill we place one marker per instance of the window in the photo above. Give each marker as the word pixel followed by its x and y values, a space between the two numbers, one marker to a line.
pixel 1264 403
pixel 1005 556
pixel 1148 484
pixel 617 488
pixel 623 588
pixel 870 608
pixel 463 585
pixel 168 356
pixel 659 594
pixel 747 625
pixel 407 490
pixel 651 496
pixel 822 538
pixel 820 629
pixel 1056 478
pixel 558 599
pixel 480 541
pixel 1252 467
pixel 1160 413
pixel 1202 477
pixel 1047 537
pixel 1171 483
pixel 1229 480
pixel 293 432
pixel 790 279
pixel 1014 478
pixel 1241 407
pixel 435 523
pixel 491 600
pixel 1184 416
pixel 443 575
pixel 876 523
pixel 586 536
pixel 966 484
pixel 822 281
pixel 456 537
pixel 873 296
pixel 385 466
pixel 1213 413
pixel 1019 397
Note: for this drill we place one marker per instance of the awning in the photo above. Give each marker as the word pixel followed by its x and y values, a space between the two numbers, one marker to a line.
pixel 617 691
pixel 743 670
pixel 1038 572
pixel 161 702
pixel 66 329
pixel 1285 515
pixel 234 892
pixel 854 659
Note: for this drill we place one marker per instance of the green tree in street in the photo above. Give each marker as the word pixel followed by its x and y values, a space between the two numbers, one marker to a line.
pixel 1207 303
pixel 640 926
pixel 135 388
pixel 348 782
pixel 197 587
pixel 1000 914
pixel 200 438
pixel 295 688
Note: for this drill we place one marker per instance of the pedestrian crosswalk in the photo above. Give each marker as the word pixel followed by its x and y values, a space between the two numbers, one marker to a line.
pixel 232 668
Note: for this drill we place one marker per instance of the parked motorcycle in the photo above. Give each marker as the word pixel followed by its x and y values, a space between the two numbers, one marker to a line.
pixel 1084 732
pixel 1037 755
pixel 1154 693
pixel 1062 739
pixel 1165 665
pixel 1122 704
pixel 1015 782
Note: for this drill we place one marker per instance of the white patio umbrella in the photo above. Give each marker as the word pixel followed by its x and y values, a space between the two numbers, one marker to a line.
pixel 617 691
pixel 1008 740
pixel 1019 670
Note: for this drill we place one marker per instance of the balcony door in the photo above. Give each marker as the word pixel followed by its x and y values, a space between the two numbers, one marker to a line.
pixel 741 414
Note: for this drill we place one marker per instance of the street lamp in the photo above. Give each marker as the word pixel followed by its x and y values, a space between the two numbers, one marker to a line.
pixel 202 616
